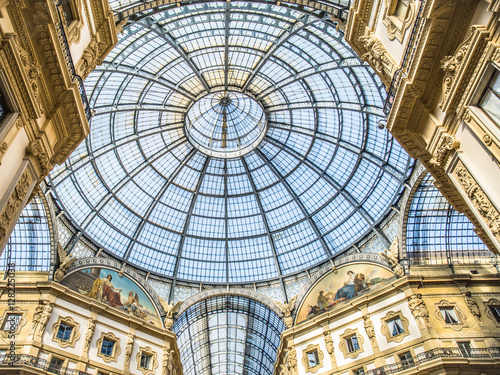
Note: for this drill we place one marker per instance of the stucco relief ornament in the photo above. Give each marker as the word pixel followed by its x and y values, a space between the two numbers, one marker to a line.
pixel 65 261
pixel 88 336
pixel 479 199
pixel 291 361
pixel 170 311
pixel 329 343
pixel 446 144
pixel 370 331
pixel 36 320
pixel 472 305
pixel 451 65
pixel 377 54
pixel 286 309
pixel 166 364
pixel 128 349
pixel 417 306
pixel 392 256
pixel 45 316
pixel 89 59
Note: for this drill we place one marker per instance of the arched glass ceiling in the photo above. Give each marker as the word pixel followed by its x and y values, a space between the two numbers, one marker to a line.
pixel 321 178
pixel 436 233
pixel 228 334
pixel 29 244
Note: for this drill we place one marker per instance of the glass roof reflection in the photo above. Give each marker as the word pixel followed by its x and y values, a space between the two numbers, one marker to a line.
pixel 321 178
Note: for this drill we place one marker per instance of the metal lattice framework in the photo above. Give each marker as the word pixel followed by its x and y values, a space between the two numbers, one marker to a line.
pixel 29 246
pixel 320 180
pixel 228 334
pixel 437 234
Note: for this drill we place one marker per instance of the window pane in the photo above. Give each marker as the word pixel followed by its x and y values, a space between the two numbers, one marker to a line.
pixel 449 315
pixel 12 322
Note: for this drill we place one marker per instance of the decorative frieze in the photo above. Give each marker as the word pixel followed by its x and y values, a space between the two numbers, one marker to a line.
pixel 446 144
pixel 478 198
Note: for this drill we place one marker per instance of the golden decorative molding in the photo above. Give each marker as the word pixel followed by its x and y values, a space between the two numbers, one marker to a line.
pixel 286 309
pixel 472 305
pixel 75 332
pixel 329 343
pixel 392 257
pixel 154 362
pixel 478 198
pixel 417 306
pixel 451 66
pixel 446 144
pixel 305 361
pixel 459 313
pixel 343 344
pixel 88 60
pixel 88 336
pixel 291 360
pixel 396 27
pixel 492 302
pixel 13 205
pixel 377 55
pixel 113 357
pixel 5 330
pixel 128 350
pixel 36 152
pixel 368 324
pixel 385 327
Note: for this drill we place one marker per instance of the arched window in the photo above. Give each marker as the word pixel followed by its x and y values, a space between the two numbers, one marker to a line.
pixel 228 334
pixel 29 244
pixel 437 234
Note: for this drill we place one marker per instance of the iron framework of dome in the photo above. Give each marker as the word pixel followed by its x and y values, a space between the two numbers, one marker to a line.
pixel 321 177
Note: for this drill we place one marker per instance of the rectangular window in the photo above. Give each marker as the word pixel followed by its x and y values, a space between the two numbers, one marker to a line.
pixel 449 315
pixel 406 359
pixel 359 371
pixel 490 100
pixel 107 347
pixel 145 361
pixel 12 322
pixel 495 310
pixel 64 332
pixel 352 343
pixel 395 326
pixel 312 358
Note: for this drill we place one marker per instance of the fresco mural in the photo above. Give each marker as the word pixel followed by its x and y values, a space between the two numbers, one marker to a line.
pixel 334 289
pixel 120 293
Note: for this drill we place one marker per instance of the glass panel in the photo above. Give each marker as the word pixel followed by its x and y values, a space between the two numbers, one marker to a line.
pixel 64 332
pixel 449 315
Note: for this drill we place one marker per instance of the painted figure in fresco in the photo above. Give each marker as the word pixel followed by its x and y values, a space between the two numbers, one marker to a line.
pixel 103 290
pixel 322 301
pixel 355 283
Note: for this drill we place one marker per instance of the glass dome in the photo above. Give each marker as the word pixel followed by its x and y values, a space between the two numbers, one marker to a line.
pixel 225 124
pixel 300 174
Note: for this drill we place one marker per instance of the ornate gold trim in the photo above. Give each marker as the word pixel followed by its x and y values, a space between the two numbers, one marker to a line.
pixel 154 362
pixel 116 347
pixel 488 304
pixel 343 344
pixel 310 348
pixel 396 27
pixel 5 332
pixel 460 315
pixel 74 336
pixel 478 198
pixel 385 326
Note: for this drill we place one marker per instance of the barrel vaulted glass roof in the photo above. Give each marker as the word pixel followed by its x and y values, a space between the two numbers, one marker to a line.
pixel 321 178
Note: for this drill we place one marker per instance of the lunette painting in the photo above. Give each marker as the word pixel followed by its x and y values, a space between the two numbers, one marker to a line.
pixel 121 293
pixel 334 289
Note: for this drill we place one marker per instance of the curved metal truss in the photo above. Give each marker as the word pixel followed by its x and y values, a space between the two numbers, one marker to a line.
pixel 228 334
pixel 321 179
pixel 437 234
pixel 29 246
